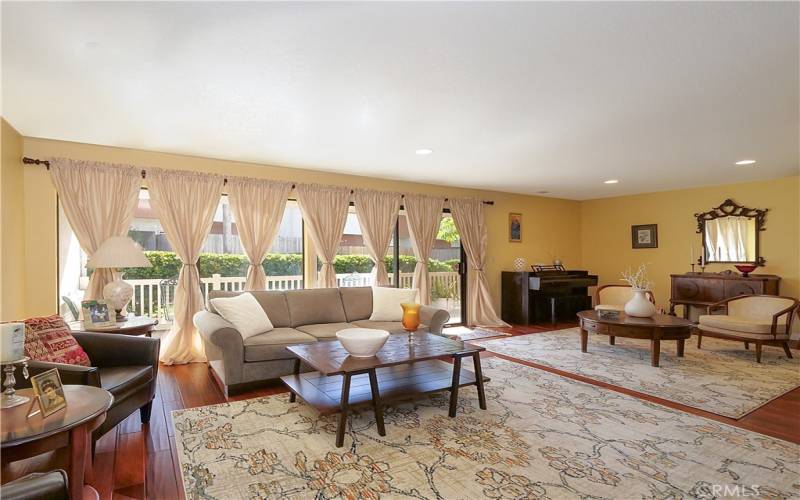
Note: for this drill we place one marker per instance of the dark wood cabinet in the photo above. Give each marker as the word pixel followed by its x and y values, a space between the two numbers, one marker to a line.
pixel 704 289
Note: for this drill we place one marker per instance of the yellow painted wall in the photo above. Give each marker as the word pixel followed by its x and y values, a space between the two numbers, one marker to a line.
pixel 12 228
pixel 551 227
pixel 606 231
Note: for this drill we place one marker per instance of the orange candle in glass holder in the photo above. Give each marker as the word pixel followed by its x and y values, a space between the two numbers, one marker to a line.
pixel 410 317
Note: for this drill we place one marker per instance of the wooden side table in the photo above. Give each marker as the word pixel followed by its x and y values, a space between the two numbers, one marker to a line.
pixel 135 325
pixel 71 427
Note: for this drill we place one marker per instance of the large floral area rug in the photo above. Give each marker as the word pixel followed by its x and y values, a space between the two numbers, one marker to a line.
pixel 543 436
pixel 721 378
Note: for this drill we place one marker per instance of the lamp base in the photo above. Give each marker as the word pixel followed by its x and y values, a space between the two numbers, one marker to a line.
pixel 120 317
pixel 117 294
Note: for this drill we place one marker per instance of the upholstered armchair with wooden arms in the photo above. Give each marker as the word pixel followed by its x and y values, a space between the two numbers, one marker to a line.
pixel 615 296
pixel 760 319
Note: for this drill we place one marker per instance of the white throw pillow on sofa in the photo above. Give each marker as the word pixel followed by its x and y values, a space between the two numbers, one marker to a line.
pixel 386 302
pixel 245 313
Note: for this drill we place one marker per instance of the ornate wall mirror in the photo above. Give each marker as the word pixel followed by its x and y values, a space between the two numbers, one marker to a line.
pixel 730 233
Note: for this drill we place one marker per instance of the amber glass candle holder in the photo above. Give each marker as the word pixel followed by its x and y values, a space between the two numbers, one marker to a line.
pixel 410 319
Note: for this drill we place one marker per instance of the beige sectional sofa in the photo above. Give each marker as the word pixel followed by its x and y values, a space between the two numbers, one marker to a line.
pixel 299 316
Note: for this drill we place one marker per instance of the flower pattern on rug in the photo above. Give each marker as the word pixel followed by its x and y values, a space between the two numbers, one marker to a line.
pixel 542 437
pixel 721 378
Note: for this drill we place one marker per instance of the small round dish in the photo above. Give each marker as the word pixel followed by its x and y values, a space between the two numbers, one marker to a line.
pixel 362 342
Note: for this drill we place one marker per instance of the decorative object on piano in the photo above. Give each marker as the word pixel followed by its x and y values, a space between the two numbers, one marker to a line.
pixel 96 315
pixel 644 236
pixel 410 319
pixel 607 312
pixel 514 227
pixel 548 293
pixel 12 342
pixel 745 269
pixel 730 233
pixel 639 306
pixel 9 399
pixel 520 264
pixel 49 391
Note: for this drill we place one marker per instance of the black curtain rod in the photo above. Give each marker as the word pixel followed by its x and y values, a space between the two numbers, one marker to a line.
pixel 35 161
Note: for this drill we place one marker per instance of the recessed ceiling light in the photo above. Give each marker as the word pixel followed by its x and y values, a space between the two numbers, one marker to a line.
pixel 542 192
pixel 424 151
pixel 745 162
pixel 611 181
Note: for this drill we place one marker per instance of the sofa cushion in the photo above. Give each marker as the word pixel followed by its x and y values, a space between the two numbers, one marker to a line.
pixel 311 307
pixel 273 302
pixel 325 330
pixel 386 302
pixel 48 338
pixel 244 312
pixel 357 302
pixel 272 345
pixel 120 381
pixel 737 323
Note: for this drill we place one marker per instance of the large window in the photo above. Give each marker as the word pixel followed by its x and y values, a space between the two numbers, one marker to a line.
pixel 443 266
pixel 222 264
pixel 352 262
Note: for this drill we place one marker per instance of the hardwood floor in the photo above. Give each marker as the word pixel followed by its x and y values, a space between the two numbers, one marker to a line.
pixel 140 461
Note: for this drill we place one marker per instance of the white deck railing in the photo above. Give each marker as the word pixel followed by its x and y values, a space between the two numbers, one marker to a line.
pixel 154 299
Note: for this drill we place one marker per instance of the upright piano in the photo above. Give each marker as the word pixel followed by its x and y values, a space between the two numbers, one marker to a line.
pixel 549 293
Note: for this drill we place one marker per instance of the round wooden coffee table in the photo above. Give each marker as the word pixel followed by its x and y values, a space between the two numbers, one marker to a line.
pixel 71 427
pixel 135 325
pixel 659 327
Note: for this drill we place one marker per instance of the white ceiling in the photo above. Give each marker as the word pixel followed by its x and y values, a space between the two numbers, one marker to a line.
pixel 519 97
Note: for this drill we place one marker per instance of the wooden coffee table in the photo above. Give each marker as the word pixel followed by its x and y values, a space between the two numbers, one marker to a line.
pixel 659 327
pixel 398 371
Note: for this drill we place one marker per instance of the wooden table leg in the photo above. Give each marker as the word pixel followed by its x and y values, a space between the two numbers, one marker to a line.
pixel 476 360
pixel 344 405
pixel 78 441
pixel 611 340
pixel 655 351
pixel 681 346
pixel 584 339
pixel 454 386
pixel 293 396
pixel 377 405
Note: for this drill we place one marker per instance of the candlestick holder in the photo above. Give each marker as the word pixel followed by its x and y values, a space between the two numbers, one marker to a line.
pixel 692 264
pixel 9 399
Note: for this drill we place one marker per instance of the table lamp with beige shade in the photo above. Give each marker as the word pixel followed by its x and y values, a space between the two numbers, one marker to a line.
pixel 115 253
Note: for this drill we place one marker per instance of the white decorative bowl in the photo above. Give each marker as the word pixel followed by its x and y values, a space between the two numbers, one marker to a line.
pixel 362 342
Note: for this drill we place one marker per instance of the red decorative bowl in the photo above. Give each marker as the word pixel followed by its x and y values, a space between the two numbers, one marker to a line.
pixel 745 269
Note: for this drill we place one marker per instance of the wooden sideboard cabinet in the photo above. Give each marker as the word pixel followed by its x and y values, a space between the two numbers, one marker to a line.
pixel 704 289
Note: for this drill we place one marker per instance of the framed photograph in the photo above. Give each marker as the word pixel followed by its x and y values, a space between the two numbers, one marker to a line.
pixel 97 315
pixel 49 392
pixel 644 236
pixel 514 227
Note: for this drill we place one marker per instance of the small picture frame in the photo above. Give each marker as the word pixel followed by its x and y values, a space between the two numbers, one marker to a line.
pixel 515 227
pixel 49 392
pixel 644 236
pixel 97 315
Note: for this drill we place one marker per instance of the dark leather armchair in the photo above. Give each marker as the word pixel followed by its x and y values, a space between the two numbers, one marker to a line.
pixel 38 486
pixel 124 365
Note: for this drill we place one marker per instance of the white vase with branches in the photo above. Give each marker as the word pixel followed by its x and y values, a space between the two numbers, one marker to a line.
pixel 639 305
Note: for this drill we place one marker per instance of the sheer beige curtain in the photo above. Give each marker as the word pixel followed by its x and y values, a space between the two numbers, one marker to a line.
pixel 98 200
pixel 377 215
pixel 185 203
pixel 324 210
pixel 423 214
pixel 258 207
pixel 471 225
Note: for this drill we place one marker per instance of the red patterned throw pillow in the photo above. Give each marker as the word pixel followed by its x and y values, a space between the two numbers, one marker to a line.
pixel 48 338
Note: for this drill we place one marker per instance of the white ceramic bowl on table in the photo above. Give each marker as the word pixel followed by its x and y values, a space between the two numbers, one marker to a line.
pixel 362 342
